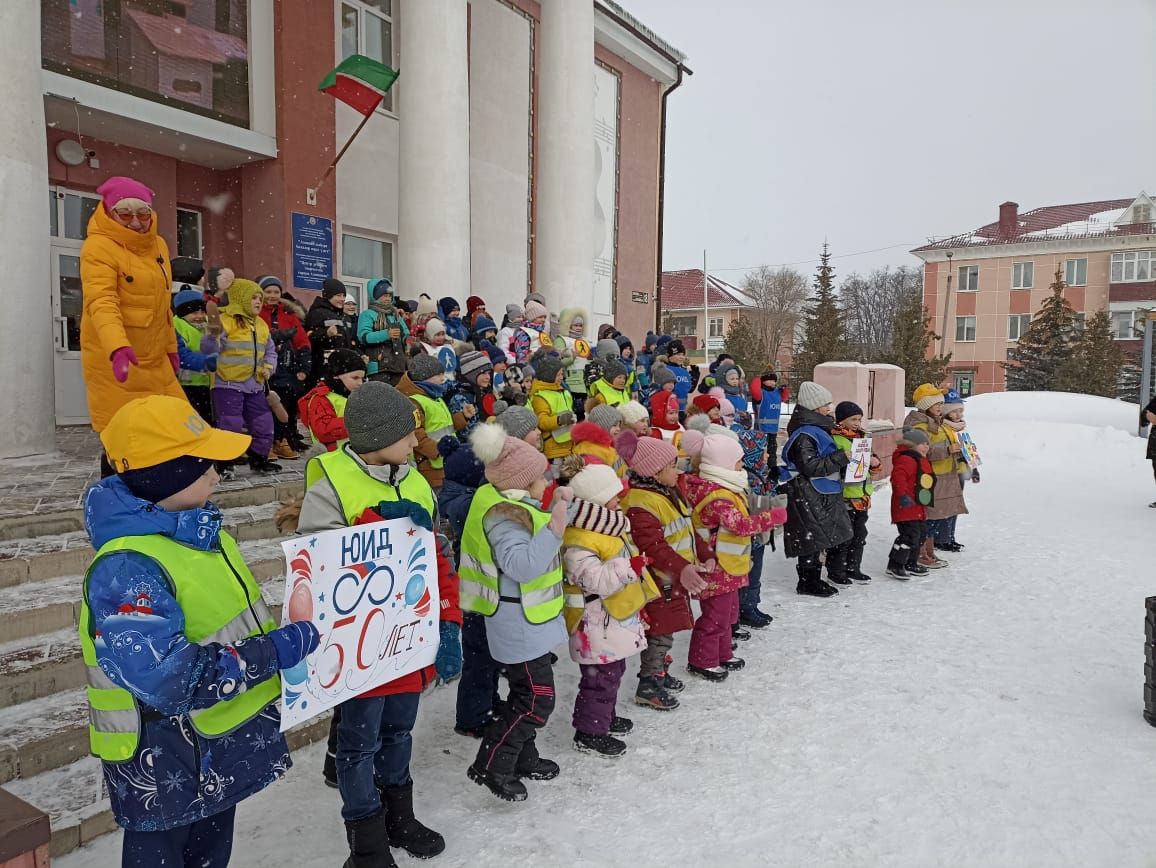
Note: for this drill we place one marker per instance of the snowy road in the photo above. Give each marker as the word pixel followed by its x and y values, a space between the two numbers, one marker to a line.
pixel 986 716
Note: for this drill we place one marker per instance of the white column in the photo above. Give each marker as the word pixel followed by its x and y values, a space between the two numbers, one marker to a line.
pixel 434 183
pixel 565 206
pixel 25 316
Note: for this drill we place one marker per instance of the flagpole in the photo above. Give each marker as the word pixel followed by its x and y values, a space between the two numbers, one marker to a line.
pixel 311 193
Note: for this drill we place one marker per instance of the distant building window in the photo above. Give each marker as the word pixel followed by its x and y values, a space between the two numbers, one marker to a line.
pixel 1076 272
pixel 1133 266
pixel 1081 321
pixel 189 233
pixel 965 329
pixel 1123 328
pixel 716 327
pixel 1022 273
pixel 365 257
pixel 1141 213
pixel 1017 325
pixel 968 278
pixel 367 28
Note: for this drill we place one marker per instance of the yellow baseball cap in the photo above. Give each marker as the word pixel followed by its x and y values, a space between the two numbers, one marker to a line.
pixel 149 431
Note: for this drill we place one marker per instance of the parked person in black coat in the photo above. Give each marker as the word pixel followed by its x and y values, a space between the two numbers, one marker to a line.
pixel 326 326
pixel 813 468
pixel 1148 417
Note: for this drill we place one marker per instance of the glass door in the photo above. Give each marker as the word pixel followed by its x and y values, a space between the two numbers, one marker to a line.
pixel 67 304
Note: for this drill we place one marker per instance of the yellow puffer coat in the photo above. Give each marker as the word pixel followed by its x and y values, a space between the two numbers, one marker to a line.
pixel 125 278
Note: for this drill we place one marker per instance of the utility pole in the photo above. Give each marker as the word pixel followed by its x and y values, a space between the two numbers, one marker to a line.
pixel 705 311
pixel 946 302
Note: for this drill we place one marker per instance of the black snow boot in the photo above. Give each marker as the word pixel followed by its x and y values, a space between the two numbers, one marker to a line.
pixel 712 673
pixel 621 725
pixel 329 770
pixel 651 694
pixel 403 828
pixel 262 465
pixel 506 787
pixel 755 619
pixel 738 634
pixel 734 664
pixel 531 765
pixel 812 585
pixel 604 745
pixel 368 844
pixel 898 572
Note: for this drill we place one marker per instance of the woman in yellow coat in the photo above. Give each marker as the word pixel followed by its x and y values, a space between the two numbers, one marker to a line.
pixel 128 347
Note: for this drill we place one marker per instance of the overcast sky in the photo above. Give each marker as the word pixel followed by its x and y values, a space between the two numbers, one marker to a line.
pixel 877 123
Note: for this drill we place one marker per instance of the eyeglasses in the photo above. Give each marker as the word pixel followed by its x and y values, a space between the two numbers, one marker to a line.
pixel 126 215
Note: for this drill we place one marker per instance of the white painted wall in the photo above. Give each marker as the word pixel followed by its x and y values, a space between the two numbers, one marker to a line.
pixel 499 154
pixel 367 176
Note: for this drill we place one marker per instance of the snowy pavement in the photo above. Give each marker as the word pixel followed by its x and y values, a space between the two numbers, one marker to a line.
pixel 989 715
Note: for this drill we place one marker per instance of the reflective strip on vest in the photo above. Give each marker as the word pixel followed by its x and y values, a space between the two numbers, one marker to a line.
pixel 357 491
pixel 613 397
pixel 732 550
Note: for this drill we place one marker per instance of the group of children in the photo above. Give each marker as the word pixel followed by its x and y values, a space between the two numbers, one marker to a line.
pixel 589 521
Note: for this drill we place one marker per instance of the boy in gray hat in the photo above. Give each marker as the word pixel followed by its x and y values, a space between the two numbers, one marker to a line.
pixel 370 479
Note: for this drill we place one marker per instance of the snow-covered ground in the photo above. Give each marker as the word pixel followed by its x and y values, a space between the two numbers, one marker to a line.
pixel 989 715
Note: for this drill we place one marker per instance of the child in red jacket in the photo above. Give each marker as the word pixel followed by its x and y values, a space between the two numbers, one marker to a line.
pixel 912 491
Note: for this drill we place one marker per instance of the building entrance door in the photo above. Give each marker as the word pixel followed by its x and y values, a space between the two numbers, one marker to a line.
pixel 67 303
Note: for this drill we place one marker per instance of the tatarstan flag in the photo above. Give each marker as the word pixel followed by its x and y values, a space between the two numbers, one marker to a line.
pixel 360 82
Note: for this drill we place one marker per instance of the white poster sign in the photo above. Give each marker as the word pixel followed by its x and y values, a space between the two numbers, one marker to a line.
pixel 372 592
pixel 860 466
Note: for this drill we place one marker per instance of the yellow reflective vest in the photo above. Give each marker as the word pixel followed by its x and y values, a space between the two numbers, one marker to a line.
pixel 219 598
pixel 541 598
pixel 619 605
pixel 676 522
pixel 732 551
pixel 243 348
pixel 357 491
pixel 610 395
pixel 439 422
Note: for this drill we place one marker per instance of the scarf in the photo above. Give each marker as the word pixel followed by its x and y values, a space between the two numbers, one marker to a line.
pixel 955 426
pixel 434 390
pixel 731 480
pixel 598 519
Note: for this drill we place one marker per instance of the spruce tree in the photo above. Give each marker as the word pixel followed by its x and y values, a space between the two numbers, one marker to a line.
pixel 824 329
pixel 912 340
pixel 1045 357
pixel 1099 358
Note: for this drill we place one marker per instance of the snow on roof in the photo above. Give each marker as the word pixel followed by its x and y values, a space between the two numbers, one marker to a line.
pixel 682 290
pixel 1100 223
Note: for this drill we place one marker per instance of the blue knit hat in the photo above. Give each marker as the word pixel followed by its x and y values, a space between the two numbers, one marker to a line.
pixel 380 286
pixel 461 465
pixel 951 396
pixel 483 324
pixel 446 304
pixel 188 300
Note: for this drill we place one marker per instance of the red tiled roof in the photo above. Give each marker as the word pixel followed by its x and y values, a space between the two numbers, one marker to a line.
pixel 176 37
pixel 682 290
pixel 1039 220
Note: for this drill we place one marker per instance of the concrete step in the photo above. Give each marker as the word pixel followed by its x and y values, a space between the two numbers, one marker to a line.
pixel 242 491
pixel 29 609
pixel 41 558
pixel 73 795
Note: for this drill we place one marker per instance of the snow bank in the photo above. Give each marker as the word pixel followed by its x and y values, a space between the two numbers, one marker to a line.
pixel 1052 407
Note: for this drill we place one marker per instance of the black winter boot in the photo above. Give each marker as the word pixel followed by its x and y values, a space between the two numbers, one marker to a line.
pixel 651 694
pixel 403 828
pixel 621 725
pixel 506 787
pixel 531 765
pixel 604 745
pixel 368 844
pixel 261 464
pixel 812 585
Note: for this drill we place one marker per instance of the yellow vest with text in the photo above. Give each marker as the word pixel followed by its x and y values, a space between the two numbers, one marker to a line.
pixel 439 422
pixel 219 598
pixel 622 603
pixel 676 522
pixel 610 395
pixel 479 575
pixel 732 551
pixel 357 491
pixel 559 401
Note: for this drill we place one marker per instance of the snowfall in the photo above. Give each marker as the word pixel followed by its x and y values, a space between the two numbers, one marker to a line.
pixel 989 715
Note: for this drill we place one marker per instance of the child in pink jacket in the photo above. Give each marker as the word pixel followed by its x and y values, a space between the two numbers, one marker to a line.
pixel 718 492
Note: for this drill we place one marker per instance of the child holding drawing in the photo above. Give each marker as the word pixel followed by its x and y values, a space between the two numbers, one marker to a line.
pixel 955 426
pixel 368 479
pixel 846 560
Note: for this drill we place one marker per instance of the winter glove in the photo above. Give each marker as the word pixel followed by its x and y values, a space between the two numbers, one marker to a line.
pixel 975 475
pixel 211 363
pixel 638 562
pixel 121 359
pixel 559 507
pixel 175 361
pixel 566 418
pixel 294 642
pixel 403 508
pixel 779 516
pixel 691 579
pixel 449 658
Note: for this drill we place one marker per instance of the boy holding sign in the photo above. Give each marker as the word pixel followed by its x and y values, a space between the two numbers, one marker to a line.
pixel 182 655
pixel 370 479
pixel 845 565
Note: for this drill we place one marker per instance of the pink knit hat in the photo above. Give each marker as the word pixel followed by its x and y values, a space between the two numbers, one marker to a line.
pixel 118 188
pixel 510 463
pixel 692 441
pixel 721 452
pixel 646 456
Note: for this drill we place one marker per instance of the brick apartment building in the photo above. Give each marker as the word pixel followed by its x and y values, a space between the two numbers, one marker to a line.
pixel 982 287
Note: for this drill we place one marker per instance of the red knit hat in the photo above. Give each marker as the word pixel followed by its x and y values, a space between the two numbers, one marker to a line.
pixel 646 456
pixel 705 403
pixel 473 303
pixel 660 404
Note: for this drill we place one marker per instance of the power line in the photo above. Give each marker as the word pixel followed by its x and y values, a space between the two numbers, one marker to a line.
pixel 808 261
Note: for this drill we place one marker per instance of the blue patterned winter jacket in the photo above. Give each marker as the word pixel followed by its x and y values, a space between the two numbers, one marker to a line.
pixel 176 777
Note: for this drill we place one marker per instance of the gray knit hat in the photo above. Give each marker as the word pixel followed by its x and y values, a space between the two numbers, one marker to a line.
pixel 376 416
pixel 915 436
pixel 472 363
pixel 517 421
pixel 604 416
pixel 612 368
pixel 812 396
pixel 606 348
pixel 547 369
pixel 660 375
pixel 424 367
